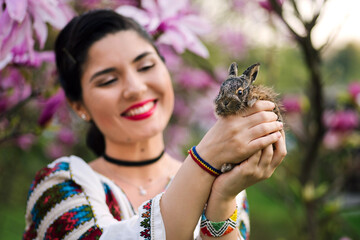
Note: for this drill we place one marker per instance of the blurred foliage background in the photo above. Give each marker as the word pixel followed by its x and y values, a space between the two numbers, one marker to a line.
pixel 314 194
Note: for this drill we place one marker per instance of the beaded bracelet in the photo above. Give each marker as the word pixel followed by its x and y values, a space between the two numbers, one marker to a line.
pixel 202 163
pixel 218 229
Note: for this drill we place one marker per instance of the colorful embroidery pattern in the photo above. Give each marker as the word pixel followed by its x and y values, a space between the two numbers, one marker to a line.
pixel 46 171
pixel 31 233
pixel 51 197
pixel 112 203
pixel 245 205
pixel 68 222
pixel 243 230
pixel 145 223
pixel 92 233
pixel 218 229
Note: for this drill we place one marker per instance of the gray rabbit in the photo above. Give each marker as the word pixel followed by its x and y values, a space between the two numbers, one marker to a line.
pixel 238 93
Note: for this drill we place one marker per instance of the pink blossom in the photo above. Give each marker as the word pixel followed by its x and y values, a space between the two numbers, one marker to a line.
pixel 267 5
pixel 55 150
pixel 334 139
pixel 172 59
pixel 51 105
pixel 26 141
pixel 194 78
pixel 66 136
pixel 176 137
pixel 92 4
pixel 202 109
pixel 22 57
pixel 346 120
pixel 20 18
pixel 239 4
pixel 172 23
pixel 354 90
pixel 181 108
pixel 291 104
pixel 13 88
pixel 234 43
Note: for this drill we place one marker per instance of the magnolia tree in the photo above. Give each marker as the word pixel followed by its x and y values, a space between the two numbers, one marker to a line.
pixel 32 105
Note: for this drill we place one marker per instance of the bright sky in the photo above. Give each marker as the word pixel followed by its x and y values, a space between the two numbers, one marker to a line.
pixel 342 16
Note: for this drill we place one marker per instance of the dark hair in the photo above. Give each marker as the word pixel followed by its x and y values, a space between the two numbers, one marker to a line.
pixel 71 50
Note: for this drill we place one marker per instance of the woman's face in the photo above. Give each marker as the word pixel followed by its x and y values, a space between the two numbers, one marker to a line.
pixel 126 88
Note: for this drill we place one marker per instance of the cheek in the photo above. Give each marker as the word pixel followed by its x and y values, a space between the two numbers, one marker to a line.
pixel 99 108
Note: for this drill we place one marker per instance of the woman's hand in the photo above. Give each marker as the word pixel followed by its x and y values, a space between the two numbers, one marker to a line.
pixel 235 138
pixel 256 168
pixel 226 187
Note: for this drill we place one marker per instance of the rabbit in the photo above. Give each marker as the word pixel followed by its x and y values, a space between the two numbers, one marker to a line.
pixel 238 93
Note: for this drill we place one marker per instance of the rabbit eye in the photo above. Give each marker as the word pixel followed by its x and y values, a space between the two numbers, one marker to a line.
pixel 239 92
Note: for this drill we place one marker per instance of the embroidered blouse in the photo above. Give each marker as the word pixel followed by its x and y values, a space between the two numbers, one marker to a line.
pixel 68 200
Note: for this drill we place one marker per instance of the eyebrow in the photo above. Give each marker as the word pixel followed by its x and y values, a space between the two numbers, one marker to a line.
pixel 105 71
pixel 141 56
pixel 112 69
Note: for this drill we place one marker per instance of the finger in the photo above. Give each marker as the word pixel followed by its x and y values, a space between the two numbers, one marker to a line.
pixel 264 129
pixel 259 106
pixel 262 142
pixel 266 157
pixel 261 117
pixel 255 158
pixel 280 151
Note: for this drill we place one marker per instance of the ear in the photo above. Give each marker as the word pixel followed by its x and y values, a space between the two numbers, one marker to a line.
pixel 252 72
pixel 79 109
pixel 233 69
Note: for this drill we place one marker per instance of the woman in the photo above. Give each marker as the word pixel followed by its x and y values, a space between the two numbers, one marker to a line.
pixel 115 79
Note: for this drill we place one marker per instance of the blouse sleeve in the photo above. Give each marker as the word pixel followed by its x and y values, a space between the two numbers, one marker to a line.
pixel 242 222
pixel 67 200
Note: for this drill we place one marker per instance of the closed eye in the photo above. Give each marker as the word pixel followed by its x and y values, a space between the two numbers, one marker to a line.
pixel 107 82
pixel 145 68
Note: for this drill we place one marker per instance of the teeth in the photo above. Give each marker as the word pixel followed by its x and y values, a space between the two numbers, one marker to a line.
pixel 140 110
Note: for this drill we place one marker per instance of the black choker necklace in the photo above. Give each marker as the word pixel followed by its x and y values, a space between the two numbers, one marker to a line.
pixel 132 163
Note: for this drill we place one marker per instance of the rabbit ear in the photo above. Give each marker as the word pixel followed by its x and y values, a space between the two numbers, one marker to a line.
pixel 233 69
pixel 252 72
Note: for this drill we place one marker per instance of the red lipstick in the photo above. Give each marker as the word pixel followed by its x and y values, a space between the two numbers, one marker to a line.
pixel 141 110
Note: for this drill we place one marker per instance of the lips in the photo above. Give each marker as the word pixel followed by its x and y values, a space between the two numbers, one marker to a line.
pixel 140 110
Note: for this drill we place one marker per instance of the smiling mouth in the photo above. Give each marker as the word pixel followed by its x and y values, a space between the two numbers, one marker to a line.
pixel 140 111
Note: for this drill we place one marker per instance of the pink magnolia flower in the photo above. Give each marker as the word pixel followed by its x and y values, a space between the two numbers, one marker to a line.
pixel 194 78
pixel 334 139
pixel 291 104
pixel 13 88
pixel 26 141
pixel 176 137
pixel 55 150
pixel 66 136
pixel 354 90
pixel 267 5
pixel 20 18
pixel 172 59
pixel 234 43
pixel 239 4
pixel 171 23
pixel 51 105
pixel 181 108
pixel 92 4
pixel 346 120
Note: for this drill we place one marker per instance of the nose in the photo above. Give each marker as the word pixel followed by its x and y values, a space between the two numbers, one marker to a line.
pixel 135 86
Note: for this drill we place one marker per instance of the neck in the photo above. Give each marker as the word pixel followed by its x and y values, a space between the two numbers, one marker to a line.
pixel 135 151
